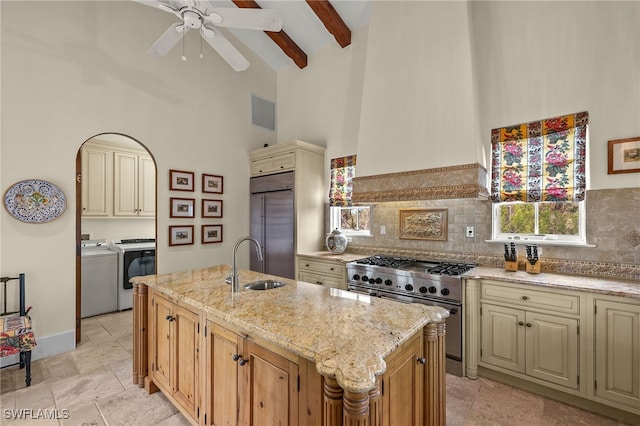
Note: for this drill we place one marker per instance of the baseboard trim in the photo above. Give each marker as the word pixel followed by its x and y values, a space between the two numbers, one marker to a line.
pixel 580 402
pixel 47 346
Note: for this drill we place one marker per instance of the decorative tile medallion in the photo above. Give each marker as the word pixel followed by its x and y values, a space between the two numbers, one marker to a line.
pixel 633 238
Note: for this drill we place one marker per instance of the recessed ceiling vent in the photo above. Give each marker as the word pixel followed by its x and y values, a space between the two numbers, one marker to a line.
pixel 263 113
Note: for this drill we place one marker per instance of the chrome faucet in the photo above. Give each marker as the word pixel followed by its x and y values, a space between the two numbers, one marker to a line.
pixel 233 273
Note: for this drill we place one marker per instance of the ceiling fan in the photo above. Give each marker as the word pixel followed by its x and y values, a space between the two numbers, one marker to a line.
pixel 200 15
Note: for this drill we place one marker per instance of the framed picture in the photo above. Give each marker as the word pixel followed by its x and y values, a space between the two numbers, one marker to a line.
pixel 212 184
pixel 211 234
pixel 182 207
pixel 181 235
pixel 624 156
pixel 211 208
pixel 423 224
pixel 180 180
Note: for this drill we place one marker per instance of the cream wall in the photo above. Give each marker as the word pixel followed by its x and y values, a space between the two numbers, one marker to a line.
pixel 437 76
pixel 79 69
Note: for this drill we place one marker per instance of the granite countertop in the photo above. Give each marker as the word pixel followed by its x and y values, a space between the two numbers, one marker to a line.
pixel 611 287
pixel 347 335
pixel 343 257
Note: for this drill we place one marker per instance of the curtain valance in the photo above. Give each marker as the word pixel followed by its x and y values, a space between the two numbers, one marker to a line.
pixel 540 161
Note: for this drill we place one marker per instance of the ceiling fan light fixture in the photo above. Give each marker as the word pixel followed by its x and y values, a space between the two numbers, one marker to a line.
pixel 192 19
pixel 214 18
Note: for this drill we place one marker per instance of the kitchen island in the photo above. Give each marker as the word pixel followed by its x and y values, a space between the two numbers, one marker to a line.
pixel 298 354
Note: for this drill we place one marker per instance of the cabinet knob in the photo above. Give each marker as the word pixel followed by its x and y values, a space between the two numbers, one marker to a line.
pixel 332 269
pixel 520 323
pixel 170 318
pixel 528 324
pixel 319 282
pixel 421 360
pixel 244 361
pixel 236 357
pixel 307 265
pixel 525 297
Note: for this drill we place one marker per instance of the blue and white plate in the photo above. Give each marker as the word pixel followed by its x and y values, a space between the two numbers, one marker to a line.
pixel 35 201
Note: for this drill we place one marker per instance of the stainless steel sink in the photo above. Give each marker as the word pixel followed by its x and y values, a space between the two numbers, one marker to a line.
pixel 264 285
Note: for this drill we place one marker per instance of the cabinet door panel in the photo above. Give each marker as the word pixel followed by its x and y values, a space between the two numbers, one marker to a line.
pixel 161 360
pixel 617 351
pixel 223 378
pixel 272 388
pixel 146 187
pixel 187 360
pixel 96 188
pixel 503 337
pixel 552 349
pixel 125 193
pixel 402 387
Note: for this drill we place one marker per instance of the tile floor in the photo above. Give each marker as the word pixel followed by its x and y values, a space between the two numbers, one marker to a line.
pixel 92 386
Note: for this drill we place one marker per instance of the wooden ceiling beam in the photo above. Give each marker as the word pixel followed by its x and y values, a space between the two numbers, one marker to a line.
pixel 332 20
pixel 282 39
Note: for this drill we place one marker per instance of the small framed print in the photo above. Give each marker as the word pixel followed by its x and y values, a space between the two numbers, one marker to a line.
pixel 211 208
pixel 180 180
pixel 624 156
pixel 212 184
pixel 182 207
pixel 181 235
pixel 211 234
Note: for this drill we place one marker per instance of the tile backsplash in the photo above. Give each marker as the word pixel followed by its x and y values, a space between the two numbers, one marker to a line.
pixel 613 225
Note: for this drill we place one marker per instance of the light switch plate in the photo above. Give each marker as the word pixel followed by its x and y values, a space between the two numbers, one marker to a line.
pixel 470 232
pixel 383 229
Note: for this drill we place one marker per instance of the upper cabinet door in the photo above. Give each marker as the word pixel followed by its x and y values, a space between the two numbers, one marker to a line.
pixel 97 175
pixel 146 187
pixel 125 195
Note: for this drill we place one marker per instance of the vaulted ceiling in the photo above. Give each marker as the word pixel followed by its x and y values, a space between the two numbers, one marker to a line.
pixel 308 26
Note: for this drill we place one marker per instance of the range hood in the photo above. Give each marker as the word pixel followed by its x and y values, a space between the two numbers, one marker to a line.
pixel 462 181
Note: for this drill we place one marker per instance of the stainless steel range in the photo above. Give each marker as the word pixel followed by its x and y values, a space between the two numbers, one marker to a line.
pixel 416 281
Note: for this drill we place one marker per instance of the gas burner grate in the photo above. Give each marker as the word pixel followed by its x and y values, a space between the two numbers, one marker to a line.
pixel 385 261
pixel 452 269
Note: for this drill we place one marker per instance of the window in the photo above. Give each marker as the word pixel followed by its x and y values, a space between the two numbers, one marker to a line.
pixel 538 180
pixel 351 220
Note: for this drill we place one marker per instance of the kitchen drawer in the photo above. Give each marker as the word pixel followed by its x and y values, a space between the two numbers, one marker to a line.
pixel 306 264
pixel 326 280
pixel 525 297
pixel 278 163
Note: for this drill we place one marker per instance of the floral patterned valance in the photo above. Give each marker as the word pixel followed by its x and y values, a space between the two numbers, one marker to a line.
pixel 540 161
pixel 343 170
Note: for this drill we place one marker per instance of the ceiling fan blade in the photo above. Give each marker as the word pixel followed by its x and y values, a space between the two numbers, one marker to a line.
pixel 225 49
pixel 165 43
pixel 250 19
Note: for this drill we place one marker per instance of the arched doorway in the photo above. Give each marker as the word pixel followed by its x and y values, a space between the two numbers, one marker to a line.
pixel 116 187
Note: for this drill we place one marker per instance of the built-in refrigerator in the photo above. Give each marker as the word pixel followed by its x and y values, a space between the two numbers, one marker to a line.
pixel 272 223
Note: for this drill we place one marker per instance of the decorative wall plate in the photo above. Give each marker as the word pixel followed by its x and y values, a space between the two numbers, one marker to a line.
pixel 35 201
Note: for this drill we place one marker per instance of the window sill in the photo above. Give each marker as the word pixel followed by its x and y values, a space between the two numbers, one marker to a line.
pixel 540 242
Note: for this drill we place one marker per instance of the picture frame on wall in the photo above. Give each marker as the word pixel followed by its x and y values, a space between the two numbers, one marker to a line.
pixel 182 207
pixel 179 180
pixel 212 184
pixel 181 235
pixel 624 156
pixel 211 208
pixel 211 234
pixel 423 224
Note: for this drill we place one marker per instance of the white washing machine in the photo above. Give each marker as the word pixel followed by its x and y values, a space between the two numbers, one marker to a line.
pixel 136 257
pixel 99 279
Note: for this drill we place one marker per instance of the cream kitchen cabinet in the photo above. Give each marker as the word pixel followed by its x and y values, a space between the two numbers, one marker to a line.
pixel 97 181
pixel 616 341
pixel 174 353
pixel 331 273
pixel 248 384
pixel 134 185
pixel 306 160
pixel 531 332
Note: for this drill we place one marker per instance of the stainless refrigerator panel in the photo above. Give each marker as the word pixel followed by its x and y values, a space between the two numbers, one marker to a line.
pixel 272 223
